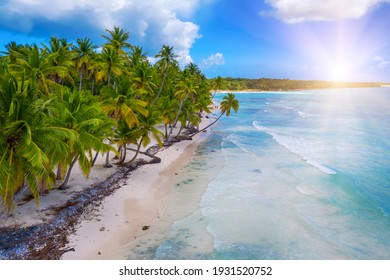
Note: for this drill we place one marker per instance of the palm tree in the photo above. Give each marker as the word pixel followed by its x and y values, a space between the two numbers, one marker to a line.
pixel 84 52
pixel 190 115
pixel 123 136
pixel 109 63
pixel 12 46
pixel 186 89
pixel 121 104
pixel 60 57
pixel 143 79
pixel 193 70
pixel 27 139
pixel 167 109
pixel 217 85
pixel 146 129
pixel 228 103
pixel 137 56
pixel 117 38
pixel 33 65
pixel 166 59
pixel 79 112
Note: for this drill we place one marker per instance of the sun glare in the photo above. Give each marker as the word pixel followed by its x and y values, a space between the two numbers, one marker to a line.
pixel 338 72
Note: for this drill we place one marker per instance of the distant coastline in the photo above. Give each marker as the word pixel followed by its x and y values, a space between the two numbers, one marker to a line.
pixel 267 84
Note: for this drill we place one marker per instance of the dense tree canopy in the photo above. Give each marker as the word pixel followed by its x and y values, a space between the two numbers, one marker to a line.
pixel 62 103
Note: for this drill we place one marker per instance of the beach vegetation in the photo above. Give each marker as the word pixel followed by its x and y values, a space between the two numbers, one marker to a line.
pixel 64 103
pixel 267 84
pixel 228 103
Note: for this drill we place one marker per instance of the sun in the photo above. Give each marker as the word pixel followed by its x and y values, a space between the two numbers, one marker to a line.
pixel 338 72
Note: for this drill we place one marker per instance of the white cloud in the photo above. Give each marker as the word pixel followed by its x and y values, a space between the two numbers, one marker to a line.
pixel 381 61
pixel 295 11
pixel 156 21
pixel 213 60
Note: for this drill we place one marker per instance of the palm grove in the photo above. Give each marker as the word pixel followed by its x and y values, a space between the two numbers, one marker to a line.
pixel 62 104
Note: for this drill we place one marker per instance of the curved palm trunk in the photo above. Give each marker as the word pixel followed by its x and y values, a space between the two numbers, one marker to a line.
pixel 161 87
pixel 123 154
pixel 203 129
pixel 63 185
pixel 137 152
pixel 177 116
pixel 181 128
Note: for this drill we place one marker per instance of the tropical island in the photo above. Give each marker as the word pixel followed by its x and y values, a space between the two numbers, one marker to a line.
pixel 67 109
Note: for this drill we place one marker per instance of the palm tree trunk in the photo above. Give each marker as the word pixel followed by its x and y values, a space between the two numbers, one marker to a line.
pixel 93 86
pixel 108 165
pixel 95 158
pixel 137 152
pixel 81 80
pixel 123 154
pixel 63 185
pixel 59 172
pixel 203 129
pixel 181 128
pixel 166 131
pixel 177 116
pixel 161 87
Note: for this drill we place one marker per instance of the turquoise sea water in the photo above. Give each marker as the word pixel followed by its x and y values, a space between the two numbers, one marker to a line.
pixel 297 175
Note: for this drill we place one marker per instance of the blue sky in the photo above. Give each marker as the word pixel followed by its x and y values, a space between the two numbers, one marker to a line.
pixel 297 39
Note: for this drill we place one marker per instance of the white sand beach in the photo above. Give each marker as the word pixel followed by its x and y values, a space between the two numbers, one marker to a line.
pixel 120 218
pixel 137 204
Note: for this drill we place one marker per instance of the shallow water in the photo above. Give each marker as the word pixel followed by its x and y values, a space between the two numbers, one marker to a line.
pixel 302 175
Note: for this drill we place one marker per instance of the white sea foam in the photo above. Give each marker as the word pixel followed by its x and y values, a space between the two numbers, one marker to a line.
pixel 297 145
pixel 304 114
pixel 300 113
pixel 310 190
pixel 238 141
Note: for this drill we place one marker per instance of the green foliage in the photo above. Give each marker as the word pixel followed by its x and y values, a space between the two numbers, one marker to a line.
pixel 265 84
pixel 60 103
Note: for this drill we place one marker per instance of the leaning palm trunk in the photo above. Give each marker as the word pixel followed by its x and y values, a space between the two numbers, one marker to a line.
pixel 137 152
pixel 64 184
pixel 122 154
pixel 161 87
pixel 181 128
pixel 203 129
pixel 95 158
pixel 177 116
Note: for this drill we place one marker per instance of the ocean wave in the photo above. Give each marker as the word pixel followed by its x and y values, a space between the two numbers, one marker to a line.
pixel 300 113
pixel 310 191
pixel 299 146
pixel 239 142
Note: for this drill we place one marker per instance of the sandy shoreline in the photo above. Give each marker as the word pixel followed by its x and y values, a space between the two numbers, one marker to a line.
pixel 120 218
pixel 137 204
